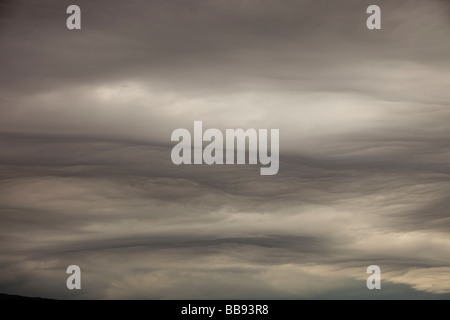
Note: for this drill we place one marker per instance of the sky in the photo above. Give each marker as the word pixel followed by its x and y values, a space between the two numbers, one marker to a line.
pixel 86 177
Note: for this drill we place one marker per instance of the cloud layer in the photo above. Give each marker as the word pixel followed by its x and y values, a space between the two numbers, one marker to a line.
pixel 85 170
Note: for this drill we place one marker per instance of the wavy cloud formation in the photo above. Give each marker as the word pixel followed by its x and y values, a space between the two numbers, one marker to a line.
pixel 85 170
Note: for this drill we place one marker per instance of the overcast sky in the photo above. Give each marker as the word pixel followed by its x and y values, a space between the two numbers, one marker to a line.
pixel 86 176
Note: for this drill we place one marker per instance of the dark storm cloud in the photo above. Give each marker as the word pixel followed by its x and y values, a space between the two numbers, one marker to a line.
pixel 85 170
pixel 211 41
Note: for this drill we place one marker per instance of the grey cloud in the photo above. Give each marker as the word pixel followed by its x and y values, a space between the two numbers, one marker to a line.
pixel 85 170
